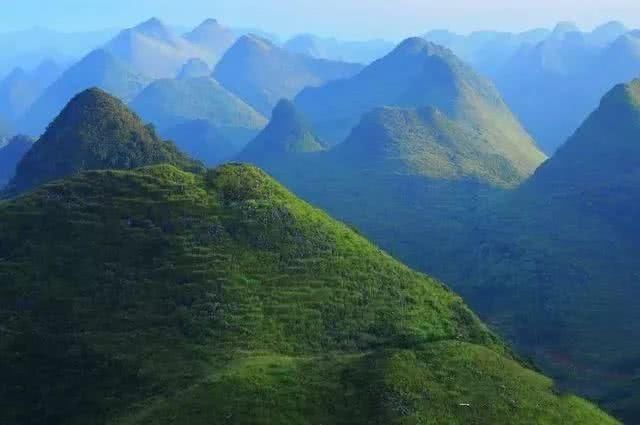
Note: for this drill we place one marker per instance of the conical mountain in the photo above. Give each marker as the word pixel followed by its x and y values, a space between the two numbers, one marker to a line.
pixel 213 38
pixel 10 155
pixel 194 68
pixel 167 103
pixel 98 69
pixel 599 166
pixel 159 296
pixel 419 74
pixel 424 142
pixel 94 131
pixel 153 49
pixel 262 73
pixel 287 133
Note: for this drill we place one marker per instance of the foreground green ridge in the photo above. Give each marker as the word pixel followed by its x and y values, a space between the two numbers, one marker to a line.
pixel 156 296
pixel 552 265
pixel 94 131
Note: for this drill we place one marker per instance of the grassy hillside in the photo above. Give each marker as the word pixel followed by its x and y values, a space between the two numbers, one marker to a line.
pixel 94 131
pixel 221 298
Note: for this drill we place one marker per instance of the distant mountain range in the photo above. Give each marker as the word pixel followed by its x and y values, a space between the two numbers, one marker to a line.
pixel 363 52
pixel 552 80
pixel 10 155
pixel 261 73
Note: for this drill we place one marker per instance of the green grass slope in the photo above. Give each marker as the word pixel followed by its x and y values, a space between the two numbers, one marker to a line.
pixel 161 296
pixel 167 103
pixel 420 74
pixel 94 131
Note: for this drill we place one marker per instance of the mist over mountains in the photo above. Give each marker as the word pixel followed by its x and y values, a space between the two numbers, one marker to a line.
pixel 173 250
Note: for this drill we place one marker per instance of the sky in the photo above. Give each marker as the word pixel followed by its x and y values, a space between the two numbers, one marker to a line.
pixel 356 19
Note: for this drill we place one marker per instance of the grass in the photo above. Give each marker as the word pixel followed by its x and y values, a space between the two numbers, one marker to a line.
pixel 160 296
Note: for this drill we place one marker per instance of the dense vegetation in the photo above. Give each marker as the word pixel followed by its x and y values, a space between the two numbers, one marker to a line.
pixel 94 131
pixel 157 296
pixel 261 73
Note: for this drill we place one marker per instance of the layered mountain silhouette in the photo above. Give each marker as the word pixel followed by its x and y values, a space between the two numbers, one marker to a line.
pixel 94 131
pixel 153 49
pixel 98 69
pixel 20 88
pixel 167 103
pixel 212 38
pixel 220 297
pixel 261 74
pixel 287 133
pixel 418 74
pixel 330 48
pixel 194 68
pixel 10 156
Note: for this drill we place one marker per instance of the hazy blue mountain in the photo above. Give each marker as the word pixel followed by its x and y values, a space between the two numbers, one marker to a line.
pixel 167 103
pixel 28 48
pixel 94 131
pixel 212 38
pixel 153 49
pixel 98 69
pixel 288 133
pixel 21 88
pixel 486 51
pixel 194 68
pixel 10 155
pixel 261 73
pixel 553 85
pixel 419 74
pixel 331 48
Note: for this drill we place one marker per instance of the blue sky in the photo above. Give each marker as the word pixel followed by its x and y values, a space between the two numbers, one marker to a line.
pixel 344 18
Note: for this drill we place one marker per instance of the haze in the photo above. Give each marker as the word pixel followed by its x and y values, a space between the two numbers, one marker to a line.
pixel 353 19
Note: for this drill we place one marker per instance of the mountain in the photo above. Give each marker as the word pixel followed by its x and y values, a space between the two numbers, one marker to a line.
pixel 425 142
pixel 194 68
pixel 20 88
pixel 261 73
pixel 10 156
pixel 287 133
pixel 486 51
pixel 201 140
pixel 98 69
pixel 168 297
pixel 333 49
pixel 418 74
pixel 94 131
pixel 553 86
pixel 167 103
pixel 212 38
pixel 153 49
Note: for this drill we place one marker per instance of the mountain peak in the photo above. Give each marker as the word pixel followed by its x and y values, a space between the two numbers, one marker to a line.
pixel 94 131
pixel 288 132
